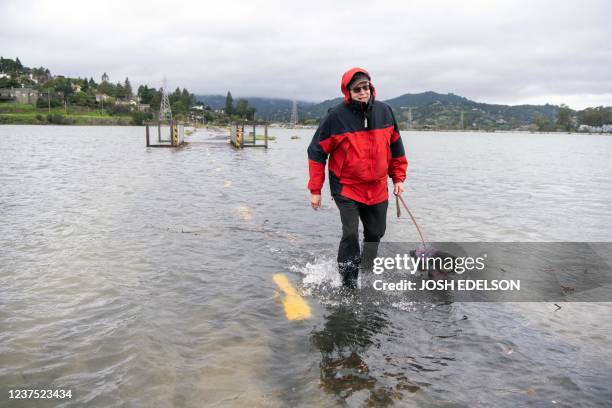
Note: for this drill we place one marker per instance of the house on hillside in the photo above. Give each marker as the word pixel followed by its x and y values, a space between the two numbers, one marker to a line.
pixel 196 114
pixel 133 104
pixel 128 103
pixel 100 97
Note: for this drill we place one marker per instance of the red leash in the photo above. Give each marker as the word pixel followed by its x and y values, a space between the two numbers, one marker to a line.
pixel 399 198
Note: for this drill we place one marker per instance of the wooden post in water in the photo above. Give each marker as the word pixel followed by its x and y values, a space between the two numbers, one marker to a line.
pixel 173 134
pixel 238 135
pixel 266 134
pixel 148 143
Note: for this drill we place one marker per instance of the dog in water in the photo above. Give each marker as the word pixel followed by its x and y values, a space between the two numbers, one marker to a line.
pixel 438 264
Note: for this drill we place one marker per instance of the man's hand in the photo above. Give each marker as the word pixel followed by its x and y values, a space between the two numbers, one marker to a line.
pixel 398 188
pixel 315 201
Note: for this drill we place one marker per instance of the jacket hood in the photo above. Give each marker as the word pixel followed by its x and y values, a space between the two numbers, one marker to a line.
pixel 346 78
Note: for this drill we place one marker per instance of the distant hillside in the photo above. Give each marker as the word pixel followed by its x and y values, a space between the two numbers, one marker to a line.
pixel 431 109
pixel 428 109
pixel 426 98
pixel 443 111
pixel 270 109
pixel 214 101
pixel 321 109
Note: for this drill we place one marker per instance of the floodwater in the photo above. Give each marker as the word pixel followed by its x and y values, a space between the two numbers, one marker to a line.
pixel 142 277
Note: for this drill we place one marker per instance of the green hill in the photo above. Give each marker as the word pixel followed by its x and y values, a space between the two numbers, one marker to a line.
pixel 428 109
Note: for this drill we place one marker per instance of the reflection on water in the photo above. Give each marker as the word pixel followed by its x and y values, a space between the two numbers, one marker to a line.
pixel 369 356
pixel 349 331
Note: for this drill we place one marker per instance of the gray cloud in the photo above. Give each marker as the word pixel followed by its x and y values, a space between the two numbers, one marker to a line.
pixel 491 51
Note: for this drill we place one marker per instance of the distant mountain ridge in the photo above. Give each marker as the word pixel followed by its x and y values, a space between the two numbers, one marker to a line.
pixel 425 98
pixel 426 109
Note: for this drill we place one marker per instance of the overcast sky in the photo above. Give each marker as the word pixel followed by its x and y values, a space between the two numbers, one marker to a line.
pixel 509 52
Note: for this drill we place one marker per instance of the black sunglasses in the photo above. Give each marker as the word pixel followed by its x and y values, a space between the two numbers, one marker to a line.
pixel 358 89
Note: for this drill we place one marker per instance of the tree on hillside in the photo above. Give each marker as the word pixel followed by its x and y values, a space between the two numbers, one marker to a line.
pixel 179 107
pixel 229 104
pixel 10 82
pixel 156 99
pixel 595 116
pixel 188 99
pixel 244 110
pixel 106 88
pixel 120 91
pixel 542 122
pixel 128 88
pixel 565 117
pixel 41 74
pixel 10 66
pixel 147 94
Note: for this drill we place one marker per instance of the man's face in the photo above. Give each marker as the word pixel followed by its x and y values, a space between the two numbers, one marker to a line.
pixel 361 91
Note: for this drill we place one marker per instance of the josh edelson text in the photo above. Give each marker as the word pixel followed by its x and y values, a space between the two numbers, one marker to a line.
pixel 436 265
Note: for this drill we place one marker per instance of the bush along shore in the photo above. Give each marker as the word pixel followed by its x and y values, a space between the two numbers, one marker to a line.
pixel 27 114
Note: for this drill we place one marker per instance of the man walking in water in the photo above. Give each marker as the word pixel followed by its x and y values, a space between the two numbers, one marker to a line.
pixel 361 138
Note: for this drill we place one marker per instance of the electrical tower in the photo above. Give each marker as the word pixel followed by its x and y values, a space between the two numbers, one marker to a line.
pixel 294 114
pixel 165 113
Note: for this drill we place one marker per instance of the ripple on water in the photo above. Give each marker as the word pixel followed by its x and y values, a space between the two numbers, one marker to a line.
pixel 142 277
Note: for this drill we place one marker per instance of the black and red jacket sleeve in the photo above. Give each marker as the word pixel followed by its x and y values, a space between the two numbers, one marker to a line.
pixel 398 163
pixel 319 149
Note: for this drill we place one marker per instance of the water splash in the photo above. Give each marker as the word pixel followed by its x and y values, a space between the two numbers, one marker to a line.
pixel 319 273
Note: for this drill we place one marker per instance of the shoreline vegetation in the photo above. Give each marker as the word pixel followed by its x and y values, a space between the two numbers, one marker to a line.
pixel 14 113
pixel 83 120
pixel 33 96
pixel 26 114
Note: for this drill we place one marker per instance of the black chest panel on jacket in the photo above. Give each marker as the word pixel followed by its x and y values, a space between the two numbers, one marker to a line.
pixel 349 118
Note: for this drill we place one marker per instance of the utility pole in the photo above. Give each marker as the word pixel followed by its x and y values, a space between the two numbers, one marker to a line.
pixel 410 118
pixel 294 114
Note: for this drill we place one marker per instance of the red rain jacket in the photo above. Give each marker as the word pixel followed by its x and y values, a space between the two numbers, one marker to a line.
pixel 363 145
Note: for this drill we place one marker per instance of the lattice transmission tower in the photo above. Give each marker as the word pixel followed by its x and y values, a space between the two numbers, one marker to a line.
pixel 165 112
pixel 294 114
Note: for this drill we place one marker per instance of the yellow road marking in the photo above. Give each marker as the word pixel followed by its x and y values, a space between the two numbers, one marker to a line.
pixel 295 306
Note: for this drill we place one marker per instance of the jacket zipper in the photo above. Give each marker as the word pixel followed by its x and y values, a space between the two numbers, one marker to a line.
pixel 365 125
pixel 365 118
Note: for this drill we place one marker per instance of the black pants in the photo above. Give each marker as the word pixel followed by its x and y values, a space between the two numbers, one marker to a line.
pixel 374 219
